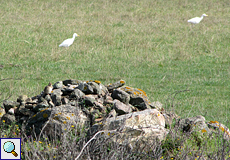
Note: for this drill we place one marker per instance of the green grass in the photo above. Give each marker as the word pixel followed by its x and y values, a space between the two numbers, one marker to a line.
pixel 147 43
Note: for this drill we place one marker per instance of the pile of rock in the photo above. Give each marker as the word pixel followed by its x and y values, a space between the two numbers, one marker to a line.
pixel 72 103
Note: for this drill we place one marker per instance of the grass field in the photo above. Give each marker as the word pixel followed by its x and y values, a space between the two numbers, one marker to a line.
pixel 147 43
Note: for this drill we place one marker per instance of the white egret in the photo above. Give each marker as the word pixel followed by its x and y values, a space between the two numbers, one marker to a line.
pixel 197 20
pixel 68 42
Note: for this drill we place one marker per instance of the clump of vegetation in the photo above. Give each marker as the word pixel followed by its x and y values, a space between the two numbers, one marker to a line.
pixel 177 145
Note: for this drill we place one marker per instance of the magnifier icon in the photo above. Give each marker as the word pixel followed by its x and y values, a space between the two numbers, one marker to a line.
pixel 9 147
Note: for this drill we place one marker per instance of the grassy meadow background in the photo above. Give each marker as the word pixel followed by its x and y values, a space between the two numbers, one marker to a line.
pixel 147 43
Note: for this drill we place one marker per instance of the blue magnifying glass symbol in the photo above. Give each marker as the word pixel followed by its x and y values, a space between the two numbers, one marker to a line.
pixel 9 147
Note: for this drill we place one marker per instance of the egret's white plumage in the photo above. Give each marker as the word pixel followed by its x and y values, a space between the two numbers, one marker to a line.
pixel 68 42
pixel 197 19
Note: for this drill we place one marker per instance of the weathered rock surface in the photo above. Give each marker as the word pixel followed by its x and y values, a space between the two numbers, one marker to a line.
pixel 8 118
pixel 10 104
pixel 218 126
pixel 73 103
pixel 57 120
pixel 121 96
pixel 121 108
pixel 134 126
pixel 191 123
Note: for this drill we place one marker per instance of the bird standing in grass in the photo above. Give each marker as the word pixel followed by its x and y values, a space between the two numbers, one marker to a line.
pixel 197 20
pixel 68 42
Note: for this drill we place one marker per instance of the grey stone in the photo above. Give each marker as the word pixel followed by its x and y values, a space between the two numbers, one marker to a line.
pixel 77 94
pixel 89 100
pixel 121 108
pixel 10 104
pixel 115 85
pixel 65 100
pixel 56 97
pixel 8 118
pixel 139 102
pixel 96 88
pixel 144 124
pixel 24 111
pixel 58 85
pixel 192 123
pixel 121 96
pixel 84 87
pixel 103 89
pixel 71 81
pixel 62 119
pixel 41 106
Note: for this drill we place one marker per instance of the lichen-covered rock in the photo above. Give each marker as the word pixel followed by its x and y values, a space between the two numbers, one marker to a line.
pixel 139 102
pixel 138 98
pixel 71 81
pixel 115 85
pixel 85 88
pixel 77 94
pixel 92 99
pixel 191 123
pixel 108 100
pixel 61 118
pixel 58 85
pixel 219 126
pixel 56 97
pixel 10 104
pixel 103 89
pixel 96 88
pixel 25 111
pixel 121 96
pixel 41 106
pixel 8 118
pixel 133 126
pixel 38 120
pixel 121 108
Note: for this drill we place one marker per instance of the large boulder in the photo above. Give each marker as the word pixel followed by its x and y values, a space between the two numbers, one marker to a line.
pixel 54 121
pixel 133 126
